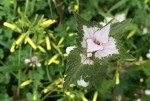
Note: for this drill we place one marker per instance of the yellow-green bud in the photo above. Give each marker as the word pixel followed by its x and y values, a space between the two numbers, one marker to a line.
pixel 48 23
pixel 12 27
pixel 25 83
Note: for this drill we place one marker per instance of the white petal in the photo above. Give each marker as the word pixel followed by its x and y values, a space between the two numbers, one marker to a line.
pixel 69 49
pixel 138 99
pixel 89 55
pixel 83 43
pixel 26 61
pixel 107 19
pixel 145 30
pixel 148 55
pixel 89 32
pixel 109 49
pixel 120 17
pixel 102 23
pixel 102 35
pixel 86 60
pixel 82 83
pixel 147 92
pixel 38 64
pixel 92 47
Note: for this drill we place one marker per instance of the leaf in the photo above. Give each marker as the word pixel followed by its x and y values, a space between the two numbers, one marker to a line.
pixel 146 67
pixel 75 69
pixel 106 85
pixel 98 76
pixel 118 29
pixel 11 68
pixel 80 22
pixel 117 5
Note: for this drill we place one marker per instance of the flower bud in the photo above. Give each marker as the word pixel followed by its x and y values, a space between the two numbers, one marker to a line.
pixel 48 23
pixel 117 79
pixel 25 83
pixel 12 27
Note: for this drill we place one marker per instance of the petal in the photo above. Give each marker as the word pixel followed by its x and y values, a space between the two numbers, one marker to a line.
pixel 82 83
pixel 86 60
pixel 102 35
pixel 69 49
pixel 83 43
pixel 89 32
pixel 109 49
pixel 120 17
pixel 92 47
pixel 26 61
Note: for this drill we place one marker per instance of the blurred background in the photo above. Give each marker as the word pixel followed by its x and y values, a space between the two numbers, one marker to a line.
pixel 35 39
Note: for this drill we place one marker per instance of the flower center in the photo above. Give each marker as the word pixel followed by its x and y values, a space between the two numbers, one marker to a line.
pixel 97 42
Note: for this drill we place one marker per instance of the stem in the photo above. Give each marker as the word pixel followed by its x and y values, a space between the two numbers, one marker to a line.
pixel 19 71
pixel 48 75
pixel 26 6
pixel 50 7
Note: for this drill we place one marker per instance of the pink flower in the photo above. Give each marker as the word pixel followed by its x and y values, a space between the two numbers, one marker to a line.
pixel 98 41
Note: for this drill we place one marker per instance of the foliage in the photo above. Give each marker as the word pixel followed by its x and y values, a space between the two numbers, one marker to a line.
pixel 45 28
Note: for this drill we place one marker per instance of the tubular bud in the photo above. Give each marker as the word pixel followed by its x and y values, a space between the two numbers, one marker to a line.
pixel 12 27
pixel 76 7
pixel 117 79
pixel 52 59
pixel 21 38
pixel 48 23
pixel 25 83
pixel 61 40
pixel 41 49
pixel 48 45
pixel 12 49
pixel 31 43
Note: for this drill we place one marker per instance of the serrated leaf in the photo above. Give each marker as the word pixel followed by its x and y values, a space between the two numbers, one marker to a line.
pixel 75 69
pixel 80 22
pixel 118 29
pixel 98 77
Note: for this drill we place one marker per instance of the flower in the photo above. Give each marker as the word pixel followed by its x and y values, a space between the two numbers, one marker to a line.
pixel 33 61
pixel 106 20
pixel 117 18
pixel 145 30
pixel 147 92
pixel 69 49
pixel 98 42
pixel 86 59
pixel 82 83
pixel 148 55
pixel 138 99
pixel 120 17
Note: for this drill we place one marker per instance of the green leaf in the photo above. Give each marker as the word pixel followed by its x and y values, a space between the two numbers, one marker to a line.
pixel 117 5
pixel 94 74
pixel 146 67
pixel 106 86
pixel 11 68
pixel 117 30
pixel 80 22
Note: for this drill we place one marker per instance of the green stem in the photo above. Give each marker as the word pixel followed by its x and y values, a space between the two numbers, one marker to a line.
pixel 50 7
pixel 48 75
pixel 26 6
pixel 19 71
